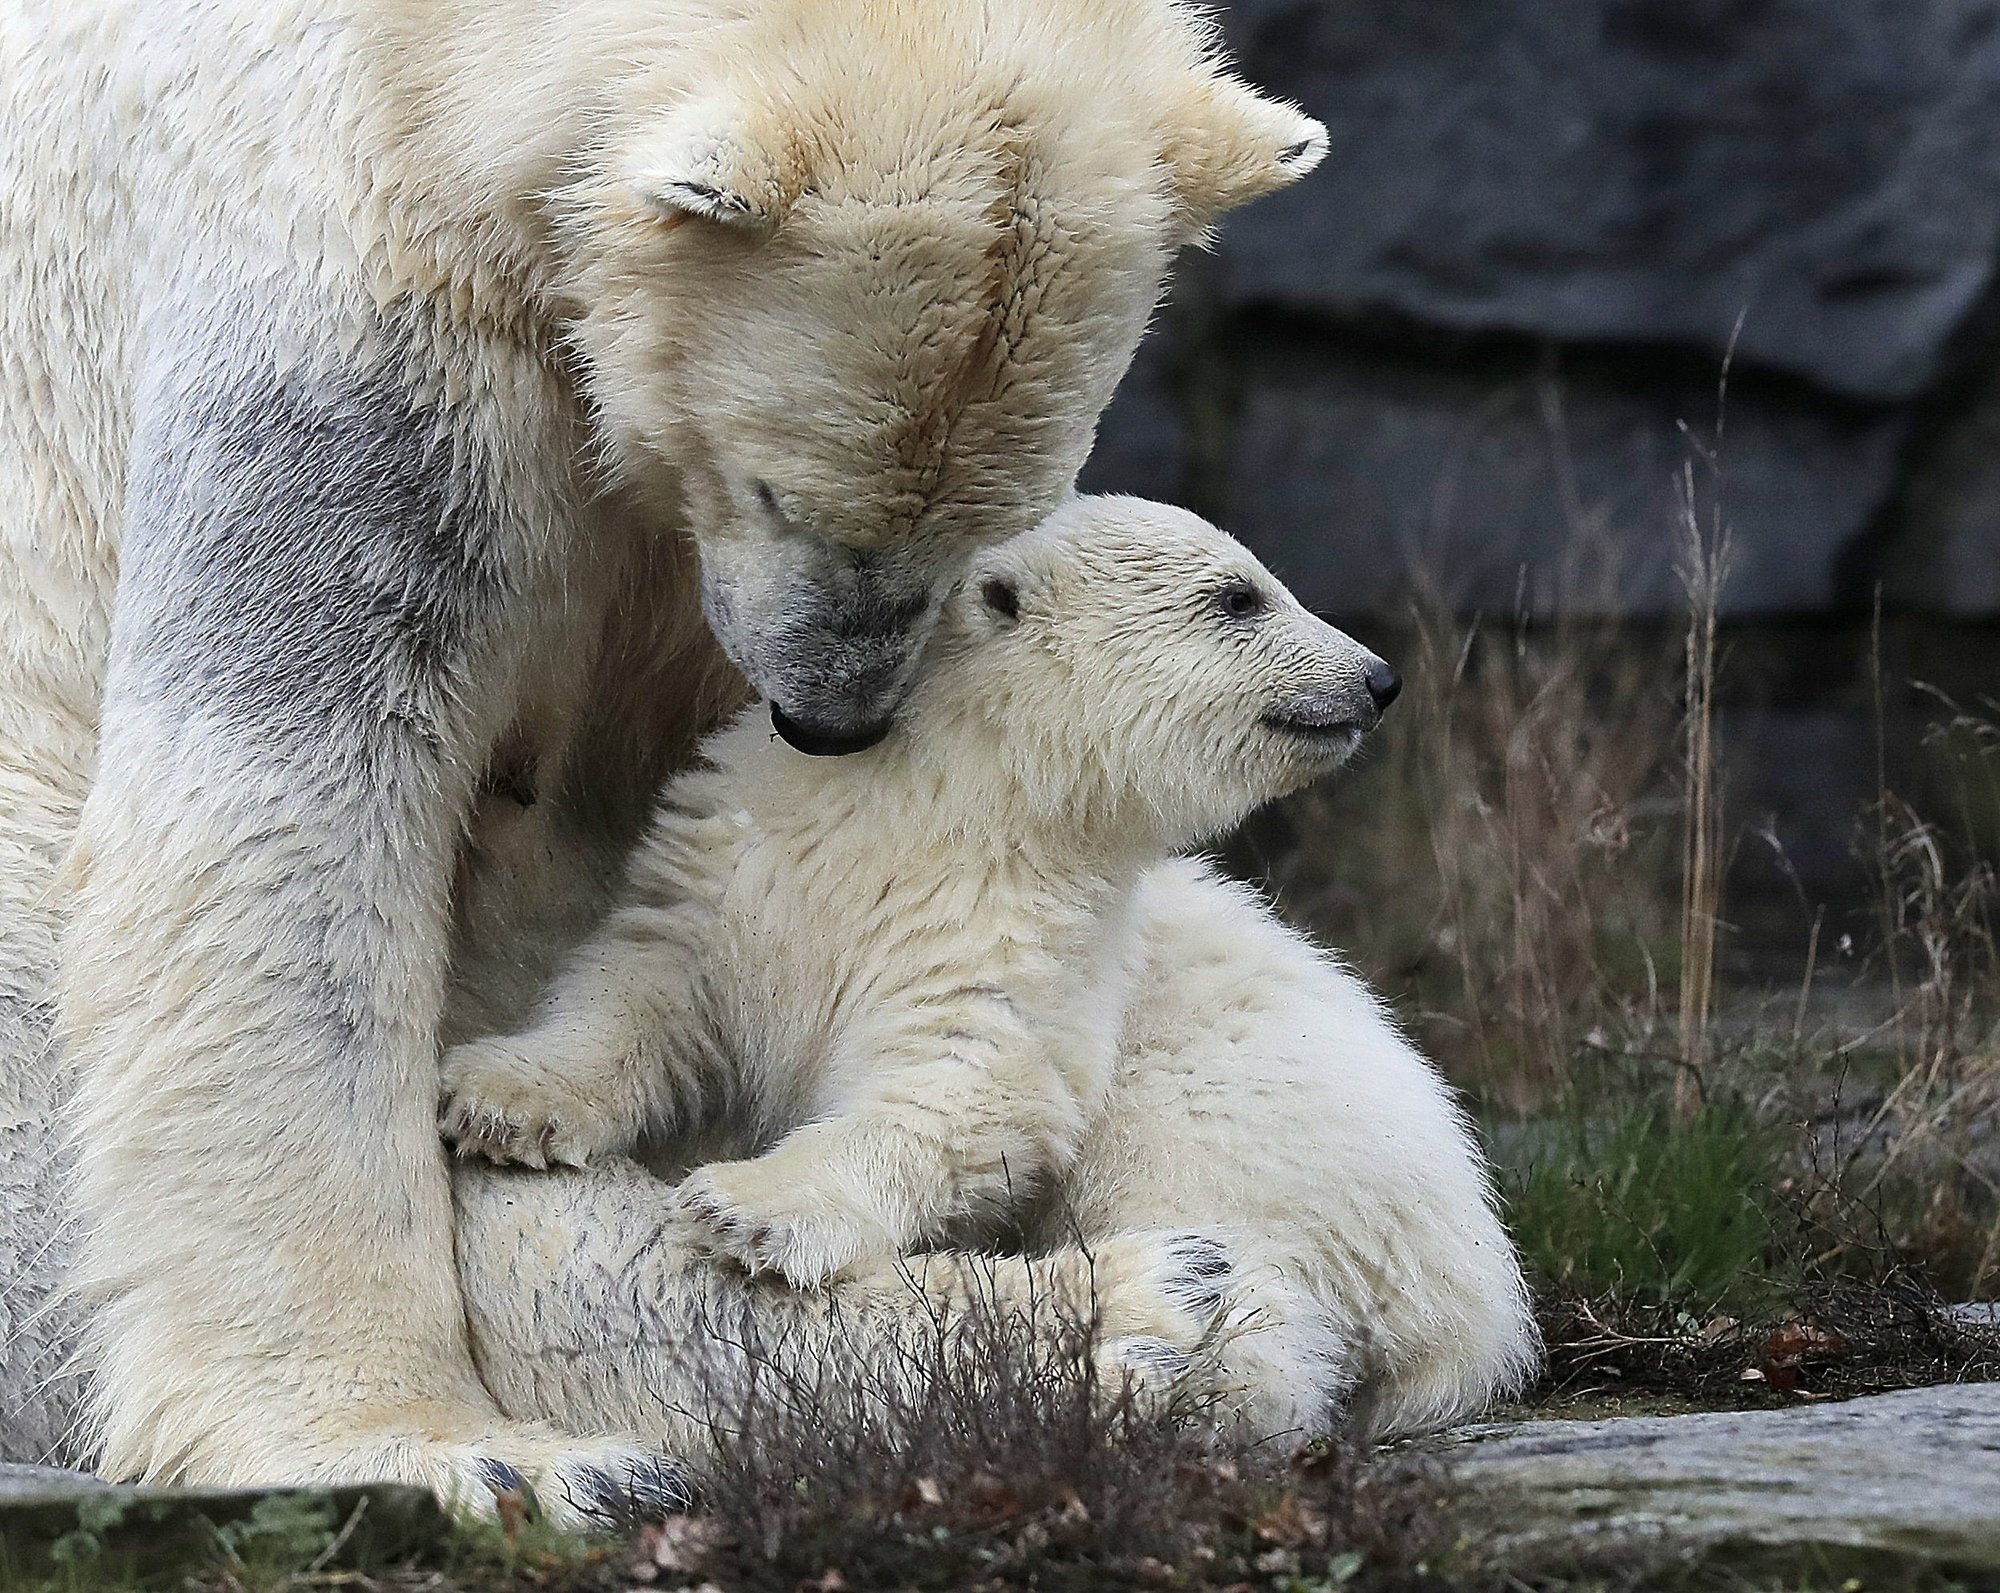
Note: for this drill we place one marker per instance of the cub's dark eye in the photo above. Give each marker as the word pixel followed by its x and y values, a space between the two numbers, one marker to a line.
pixel 1001 597
pixel 767 500
pixel 1240 600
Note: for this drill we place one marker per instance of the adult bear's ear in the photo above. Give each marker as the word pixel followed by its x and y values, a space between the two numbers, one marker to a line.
pixel 1228 144
pixel 707 161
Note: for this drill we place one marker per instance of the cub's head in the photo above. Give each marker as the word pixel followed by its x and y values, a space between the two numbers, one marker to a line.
pixel 1129 661
pixel 853 279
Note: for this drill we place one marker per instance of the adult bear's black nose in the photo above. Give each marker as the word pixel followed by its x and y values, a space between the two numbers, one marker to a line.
pixel 826 740
pixel 1384 685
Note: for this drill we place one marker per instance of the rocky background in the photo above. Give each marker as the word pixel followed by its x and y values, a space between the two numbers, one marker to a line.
pixel 1482 341
pixel 1478 357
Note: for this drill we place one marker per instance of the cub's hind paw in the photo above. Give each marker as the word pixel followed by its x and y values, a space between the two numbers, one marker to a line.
pixel 1198 1274
pixel 1142 1362
pixel 1160 1290
pixel 1160 1299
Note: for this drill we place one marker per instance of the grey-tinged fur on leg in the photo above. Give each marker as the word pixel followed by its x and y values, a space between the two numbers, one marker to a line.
pixel 1264 1099
pixel 312 574
pixel 591 1302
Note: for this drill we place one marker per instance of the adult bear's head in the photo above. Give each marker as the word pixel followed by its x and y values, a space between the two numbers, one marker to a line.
pixel 861 274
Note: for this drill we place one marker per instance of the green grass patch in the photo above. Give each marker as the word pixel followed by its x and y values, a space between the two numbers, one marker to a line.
pixel 1637 1206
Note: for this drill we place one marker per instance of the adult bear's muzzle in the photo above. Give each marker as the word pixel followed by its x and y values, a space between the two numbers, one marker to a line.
pixel 823 742
pixel 839 676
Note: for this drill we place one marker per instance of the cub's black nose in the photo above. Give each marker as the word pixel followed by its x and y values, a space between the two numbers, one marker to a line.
pixel 1384 685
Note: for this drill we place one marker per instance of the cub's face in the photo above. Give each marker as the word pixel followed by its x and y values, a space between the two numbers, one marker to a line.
pixel 1130 655
pixel 859 314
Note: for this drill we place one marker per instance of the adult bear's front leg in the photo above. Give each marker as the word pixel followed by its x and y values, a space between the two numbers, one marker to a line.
pixel 318 610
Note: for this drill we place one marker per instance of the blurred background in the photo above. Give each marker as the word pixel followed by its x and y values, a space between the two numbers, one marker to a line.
pixel 1629 374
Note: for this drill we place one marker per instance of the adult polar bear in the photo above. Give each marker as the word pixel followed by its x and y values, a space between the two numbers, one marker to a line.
pixel 367 368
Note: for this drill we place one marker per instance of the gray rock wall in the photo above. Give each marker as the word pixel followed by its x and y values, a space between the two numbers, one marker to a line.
pixel 1478 352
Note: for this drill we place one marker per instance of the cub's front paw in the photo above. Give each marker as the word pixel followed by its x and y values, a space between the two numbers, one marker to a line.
pixel 579 1485
pixel 500 1105
pixel 767 1222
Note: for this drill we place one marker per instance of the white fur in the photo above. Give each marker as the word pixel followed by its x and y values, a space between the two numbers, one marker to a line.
pixel 229 949
pixel 1265 1093
pixel 952 974
pixel 907 967
pixel 1262 1098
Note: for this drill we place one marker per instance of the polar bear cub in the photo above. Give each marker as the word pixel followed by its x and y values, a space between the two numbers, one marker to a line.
pixel 904 970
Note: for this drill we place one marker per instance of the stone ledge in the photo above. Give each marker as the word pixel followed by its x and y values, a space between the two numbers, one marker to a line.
pixel 1907 1480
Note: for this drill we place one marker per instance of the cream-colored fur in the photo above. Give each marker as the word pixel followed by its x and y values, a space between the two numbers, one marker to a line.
pixel 1262 1097
pixel 371 374
pixel 1264 1094
pixel 905 970
pixel 950 979
pixel 947 277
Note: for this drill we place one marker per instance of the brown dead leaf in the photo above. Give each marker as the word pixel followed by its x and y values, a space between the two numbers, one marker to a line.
pixel 1791 1345
pixel 682 1543
pixel 512 1507
pixel 1284 1523
pixel 991 1498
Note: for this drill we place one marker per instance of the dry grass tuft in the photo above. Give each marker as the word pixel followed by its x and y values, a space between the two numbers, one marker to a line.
pixel 1498 858
pixel 990 1454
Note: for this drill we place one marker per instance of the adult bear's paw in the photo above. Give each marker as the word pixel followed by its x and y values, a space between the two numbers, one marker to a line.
pixel 496 1103
pixel 578 1487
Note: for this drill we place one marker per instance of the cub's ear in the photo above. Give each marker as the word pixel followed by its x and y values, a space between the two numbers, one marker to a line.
pixel 989 597
pixel 1000 596
pixel 707 161
pixel 1229 143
